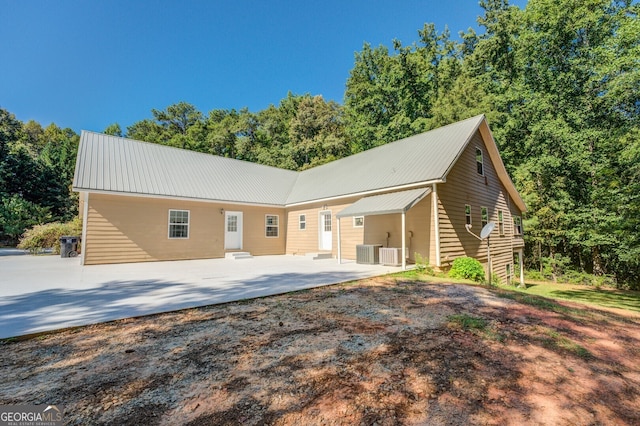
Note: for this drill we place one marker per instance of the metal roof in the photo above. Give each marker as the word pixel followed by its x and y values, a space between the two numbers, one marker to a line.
pixel 113 164
pixel 395 202
pixel 422 158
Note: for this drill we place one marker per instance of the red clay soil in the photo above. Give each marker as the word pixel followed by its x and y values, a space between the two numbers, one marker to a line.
pixel 385 351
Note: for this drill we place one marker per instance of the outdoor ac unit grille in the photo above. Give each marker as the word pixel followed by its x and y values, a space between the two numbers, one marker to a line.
pixel 390 256
pixel 367 253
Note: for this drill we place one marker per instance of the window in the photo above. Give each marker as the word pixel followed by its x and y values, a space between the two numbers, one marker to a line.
pixel 232 223
pixel 500 222
pixel 302 222
pixel 484 213
pixel 517 225
pixel 327 222
pixel 479 162
pixel 467 213
pixel 271 222
pixel 358 221
pixel 178 223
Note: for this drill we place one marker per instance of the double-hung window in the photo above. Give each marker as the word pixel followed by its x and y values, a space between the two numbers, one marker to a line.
pixel 467 214
pixel 479 161
pixel 302 222
pixel 484 214
pixel 517 225
pixel 272 225
pixel 500 222
pixel 178 223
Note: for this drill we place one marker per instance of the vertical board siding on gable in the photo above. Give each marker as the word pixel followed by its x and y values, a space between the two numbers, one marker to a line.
pixel 124 229
pixel 465 186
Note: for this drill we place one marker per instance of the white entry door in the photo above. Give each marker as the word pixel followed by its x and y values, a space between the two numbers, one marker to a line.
pixel 233 230
pixel 324 227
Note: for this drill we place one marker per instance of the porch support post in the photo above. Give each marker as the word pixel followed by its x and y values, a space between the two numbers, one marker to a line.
pixel 404 242
pixel 339 245
pixel 85 213
pixel 436 222
pixel 521 261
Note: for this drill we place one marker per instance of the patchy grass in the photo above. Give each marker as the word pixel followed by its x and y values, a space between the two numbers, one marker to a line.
pixel 603 297
pixel 467 322
pixel 386 351
pixel 544 294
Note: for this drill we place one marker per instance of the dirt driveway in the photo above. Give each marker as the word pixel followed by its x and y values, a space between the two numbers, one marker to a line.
pixel 382 351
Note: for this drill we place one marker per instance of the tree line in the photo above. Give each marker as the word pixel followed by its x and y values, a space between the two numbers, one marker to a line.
pixel 559 82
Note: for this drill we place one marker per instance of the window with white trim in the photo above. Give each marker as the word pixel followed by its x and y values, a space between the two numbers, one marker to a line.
pixel 178 223
pixel 479 161
pixel 500 222
pixel 484 214
pixel 358 221
pixel 232 223
pixel 327 222
pixel 302 222
pixel 517 225
pixel 272 226
pixel 467 213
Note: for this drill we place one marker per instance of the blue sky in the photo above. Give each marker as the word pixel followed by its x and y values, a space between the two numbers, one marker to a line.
pixel 86 64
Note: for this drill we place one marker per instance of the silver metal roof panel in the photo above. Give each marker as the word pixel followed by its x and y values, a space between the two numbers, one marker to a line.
pixel 395 202
pixel 113 164
pixel 421 158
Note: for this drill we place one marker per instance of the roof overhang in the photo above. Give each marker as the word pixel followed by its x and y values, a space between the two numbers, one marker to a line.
pixel 392 203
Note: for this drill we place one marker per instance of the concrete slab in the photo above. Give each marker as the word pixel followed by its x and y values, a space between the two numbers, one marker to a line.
pixel 44 293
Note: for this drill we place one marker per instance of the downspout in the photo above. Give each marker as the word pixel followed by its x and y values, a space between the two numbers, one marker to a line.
pixel 436 222
pixel 521 261
pixel 85 214
pixel 404 241
pixel 339 245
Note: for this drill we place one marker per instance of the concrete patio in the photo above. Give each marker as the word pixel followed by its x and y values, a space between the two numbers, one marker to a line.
pixel 44 293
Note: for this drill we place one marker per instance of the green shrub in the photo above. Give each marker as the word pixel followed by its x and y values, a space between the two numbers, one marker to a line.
pixel 467 268
pixel 46 236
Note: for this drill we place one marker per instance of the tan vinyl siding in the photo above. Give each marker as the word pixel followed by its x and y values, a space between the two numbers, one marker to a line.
pixel 464 185
pixel 518 240
pixel 135 229
pixel 418 223
pixel 301 242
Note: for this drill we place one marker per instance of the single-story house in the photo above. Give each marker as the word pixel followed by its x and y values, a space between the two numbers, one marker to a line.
pixel 147 202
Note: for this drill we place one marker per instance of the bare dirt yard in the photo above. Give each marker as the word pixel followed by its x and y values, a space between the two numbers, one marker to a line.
pixel 383 351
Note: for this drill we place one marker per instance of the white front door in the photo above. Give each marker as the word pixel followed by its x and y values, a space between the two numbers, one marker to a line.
pixel 324 227
pixel 233 230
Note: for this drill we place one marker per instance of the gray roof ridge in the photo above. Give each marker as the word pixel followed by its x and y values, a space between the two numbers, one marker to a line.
pixel 189 151
pixel 479 117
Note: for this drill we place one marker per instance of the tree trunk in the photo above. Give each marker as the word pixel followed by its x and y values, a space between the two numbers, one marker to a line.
pixel 598 269
pixel 552 256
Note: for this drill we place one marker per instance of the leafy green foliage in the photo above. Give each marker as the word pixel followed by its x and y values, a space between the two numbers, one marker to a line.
pixel 47 236
pixel 17 214
pixel 467 268
pixel 36 168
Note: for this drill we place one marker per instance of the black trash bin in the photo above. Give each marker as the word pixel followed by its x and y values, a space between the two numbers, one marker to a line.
pixel 69 246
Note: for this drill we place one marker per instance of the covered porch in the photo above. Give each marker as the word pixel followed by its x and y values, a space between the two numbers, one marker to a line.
pixel 382 214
